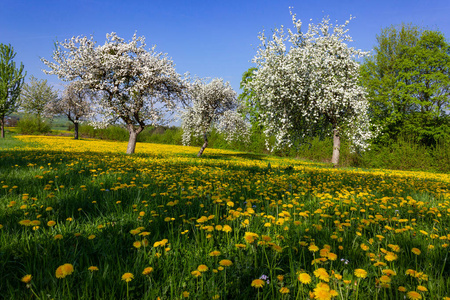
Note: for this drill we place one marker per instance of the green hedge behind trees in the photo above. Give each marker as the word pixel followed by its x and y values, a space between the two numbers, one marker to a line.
pixel 402 154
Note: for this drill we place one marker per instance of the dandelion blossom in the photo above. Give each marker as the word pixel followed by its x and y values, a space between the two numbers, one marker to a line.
pixel 225 262
pixel 422 288
pixel 26 278
pixel 284 290
pixel 360 273
pixel 416 251
pixel 202 268
pixel 313 248
pixel 304 278
pixel 64 270
pixel 214 253
pixel 322 274
pixel 258 283
pixel 413 295
pixel 93 268
pixel 127 277
pixel 147 271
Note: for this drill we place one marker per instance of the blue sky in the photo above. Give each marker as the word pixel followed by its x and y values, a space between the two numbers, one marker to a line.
pixel 205 38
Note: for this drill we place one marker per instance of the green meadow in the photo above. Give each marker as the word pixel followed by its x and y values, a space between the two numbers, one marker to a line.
pixel 81 220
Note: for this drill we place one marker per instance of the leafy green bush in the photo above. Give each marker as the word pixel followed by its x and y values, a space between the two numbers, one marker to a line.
pixel 112 132
pixel 33 125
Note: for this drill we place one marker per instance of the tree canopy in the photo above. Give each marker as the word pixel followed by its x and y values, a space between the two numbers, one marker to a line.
pixel 75 103
pixel 408 83
pixel 212 104
pixel 307 80
pixel 11 81
pixel 138 86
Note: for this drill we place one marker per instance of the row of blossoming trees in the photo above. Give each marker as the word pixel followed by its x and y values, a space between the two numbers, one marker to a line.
pixel 303 81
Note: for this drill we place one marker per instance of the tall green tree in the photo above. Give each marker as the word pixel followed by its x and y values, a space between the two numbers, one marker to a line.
pixel 11 82
pixel 408 83
pixel 35 97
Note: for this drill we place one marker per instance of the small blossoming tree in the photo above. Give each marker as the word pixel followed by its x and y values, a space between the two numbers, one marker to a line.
pixel 137 86
pixel 212 104
pixel 308 81
pixel 75 104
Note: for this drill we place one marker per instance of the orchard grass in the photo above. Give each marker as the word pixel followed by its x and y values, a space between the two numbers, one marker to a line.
pixel 225 226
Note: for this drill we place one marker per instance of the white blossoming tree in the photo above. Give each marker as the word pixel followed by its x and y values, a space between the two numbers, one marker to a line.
pixel 212 104
pixel 308 81
pixel 75 103
pixel 137 86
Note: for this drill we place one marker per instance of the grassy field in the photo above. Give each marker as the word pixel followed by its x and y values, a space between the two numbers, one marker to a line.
pixel 81 220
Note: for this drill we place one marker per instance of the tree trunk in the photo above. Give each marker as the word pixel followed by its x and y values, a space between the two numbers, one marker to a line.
pixel 133 137
pixel 336 147
pixel 2 124
pixel 75 129
pixel 205 138
pixel 132 142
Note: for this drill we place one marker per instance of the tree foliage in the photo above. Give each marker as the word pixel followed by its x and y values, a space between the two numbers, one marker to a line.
pixel 212 104
pixel 138 86
pixel 408 83
pixel 75 104
pixel 35 97
pixel 307 81
pixel 11 82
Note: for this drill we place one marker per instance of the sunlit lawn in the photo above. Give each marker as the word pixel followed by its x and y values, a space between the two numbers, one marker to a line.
pixel 89 222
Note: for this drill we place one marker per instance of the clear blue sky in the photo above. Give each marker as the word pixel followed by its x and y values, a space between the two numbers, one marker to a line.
pixel 206 38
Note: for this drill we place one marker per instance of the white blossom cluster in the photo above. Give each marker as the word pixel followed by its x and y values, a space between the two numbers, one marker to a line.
pixel 303 79
pixel 75 103
pixel 213 104
pixel 138 86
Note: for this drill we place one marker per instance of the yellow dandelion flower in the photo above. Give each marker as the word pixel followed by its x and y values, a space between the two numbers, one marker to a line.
pixel 422 288
pixel 227 228
pixel 202 268
pixel 416 251
pixel 147 271
pixel 313 248
pixel 361 273
pixel 93 268
pixel 284 290
pixel 214 253
pixel 385 279
pixel 225 262
pixel 137 244
pixel 64 270
pixel 127 277
pixel 332 256
pixel 390 256
pixel 322 274
pixel 58 237
pixel 304 278
pixel 196 273
pixel 258 283
pixel 91 237
pixel 51 223
pixel 389 272
pixel 185 294
pixel 26 278
pixel 401 289
pixel 413 295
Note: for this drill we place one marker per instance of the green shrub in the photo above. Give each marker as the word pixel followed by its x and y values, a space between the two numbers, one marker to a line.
pixel 113 132
pixel 33 125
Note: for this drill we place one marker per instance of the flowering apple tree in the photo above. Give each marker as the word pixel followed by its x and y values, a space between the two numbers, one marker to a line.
pixel 212 104
pixel 75 103
pixel 307 81
pixel 137 86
